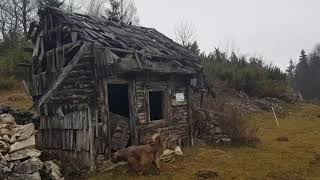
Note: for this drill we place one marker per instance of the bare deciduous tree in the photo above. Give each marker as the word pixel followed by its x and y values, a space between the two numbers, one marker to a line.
pixel 95 7
pixel 184 32
pixel 9 19
pixel 15 16
pixel 73 6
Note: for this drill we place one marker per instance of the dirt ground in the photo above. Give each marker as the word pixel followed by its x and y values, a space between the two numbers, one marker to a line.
pixel 288 152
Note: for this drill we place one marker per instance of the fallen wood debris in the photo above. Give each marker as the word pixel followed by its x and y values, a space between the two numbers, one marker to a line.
pixel 169 155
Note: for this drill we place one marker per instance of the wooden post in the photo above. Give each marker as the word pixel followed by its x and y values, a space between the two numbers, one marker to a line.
pixel 133 113
pixel 275 117
pixel 201 100
pixel 301 99
pixel 106 120
pixel 91 139
pixel 190 112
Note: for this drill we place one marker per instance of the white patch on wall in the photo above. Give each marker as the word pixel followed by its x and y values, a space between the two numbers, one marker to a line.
pixel 179 97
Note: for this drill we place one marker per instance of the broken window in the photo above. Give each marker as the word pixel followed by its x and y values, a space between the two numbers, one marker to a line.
pixel 118 99
pixel 156 105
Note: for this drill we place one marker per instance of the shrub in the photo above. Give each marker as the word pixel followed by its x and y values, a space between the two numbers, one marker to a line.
pixel 236 127
pixel 7 83
pixel 11 54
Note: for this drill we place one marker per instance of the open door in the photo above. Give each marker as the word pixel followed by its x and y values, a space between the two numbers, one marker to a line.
pixel 119 114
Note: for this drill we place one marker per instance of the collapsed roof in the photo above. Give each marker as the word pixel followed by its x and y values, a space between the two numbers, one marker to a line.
pixel 117 36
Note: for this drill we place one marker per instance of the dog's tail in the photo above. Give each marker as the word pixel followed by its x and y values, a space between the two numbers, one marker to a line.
pixel 156 140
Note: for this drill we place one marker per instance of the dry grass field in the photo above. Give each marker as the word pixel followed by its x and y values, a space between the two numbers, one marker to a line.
pixel 15 98
pixel 288 152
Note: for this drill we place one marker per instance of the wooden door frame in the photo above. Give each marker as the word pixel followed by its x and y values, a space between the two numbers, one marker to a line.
pixel 132 109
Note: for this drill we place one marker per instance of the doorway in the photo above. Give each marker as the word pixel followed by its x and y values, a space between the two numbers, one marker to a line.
pixel 118 99
pixel 119 114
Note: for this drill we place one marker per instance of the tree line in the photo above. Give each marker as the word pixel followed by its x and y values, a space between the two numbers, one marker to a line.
pixel 303 76
pixel 248 74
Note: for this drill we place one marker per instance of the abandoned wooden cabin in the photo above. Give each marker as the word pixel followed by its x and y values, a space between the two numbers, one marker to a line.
pixel 101 85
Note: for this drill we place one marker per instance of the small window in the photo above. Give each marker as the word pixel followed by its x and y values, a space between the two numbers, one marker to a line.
pixel 156 105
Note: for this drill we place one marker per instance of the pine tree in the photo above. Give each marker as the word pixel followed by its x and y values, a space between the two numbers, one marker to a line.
pixel 302 77
pixel 194 48
pixel 123 11
pixel 314 72
pixel 290 73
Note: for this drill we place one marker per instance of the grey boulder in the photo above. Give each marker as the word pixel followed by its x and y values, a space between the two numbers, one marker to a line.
pixel 28 166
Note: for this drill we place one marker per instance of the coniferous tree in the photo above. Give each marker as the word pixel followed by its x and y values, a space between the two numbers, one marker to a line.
pixel 123 11
pixel 302 74
pixel 290 73
pixel 314 72
pixel 194 48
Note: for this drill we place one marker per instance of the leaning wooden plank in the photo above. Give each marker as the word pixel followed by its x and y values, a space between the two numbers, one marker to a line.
pixel 63 75
pixel 111 167
pixel 138 60
pixel 36 47
pixel 25 87
pixel 91 139
pixel 42 51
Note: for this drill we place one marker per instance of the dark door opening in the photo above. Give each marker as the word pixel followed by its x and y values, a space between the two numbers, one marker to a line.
pixel 156 105
pixel 118 99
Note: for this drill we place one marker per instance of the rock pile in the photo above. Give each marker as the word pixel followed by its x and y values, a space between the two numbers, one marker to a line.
pixel 207 127
pixel 18 157
pixel 21 116
pixel 268 103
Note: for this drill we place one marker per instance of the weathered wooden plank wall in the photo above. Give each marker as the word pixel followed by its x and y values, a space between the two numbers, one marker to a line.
pixel 174 128
pixel 68 133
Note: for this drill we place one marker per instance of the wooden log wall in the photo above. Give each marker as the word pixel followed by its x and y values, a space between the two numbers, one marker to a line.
pixel 174 127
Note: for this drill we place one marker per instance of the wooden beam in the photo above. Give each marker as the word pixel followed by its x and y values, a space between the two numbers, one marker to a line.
pixel 133 113
pixel 138 60
pixel 190 106
pixel 106 118
pixel 63 75
pixel 36 47
pixel 121 50
pixel 25 65
pixel 91 139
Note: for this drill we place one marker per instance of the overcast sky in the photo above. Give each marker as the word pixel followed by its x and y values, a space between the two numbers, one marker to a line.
pixel 274 29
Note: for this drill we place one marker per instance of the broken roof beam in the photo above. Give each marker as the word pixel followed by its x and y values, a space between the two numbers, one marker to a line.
pixel 63 75
pixel 138 60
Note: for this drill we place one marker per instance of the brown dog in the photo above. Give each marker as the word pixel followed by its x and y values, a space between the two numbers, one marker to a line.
pixel 141 158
